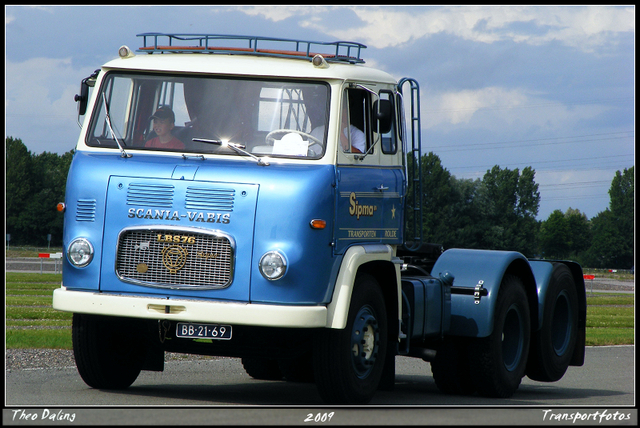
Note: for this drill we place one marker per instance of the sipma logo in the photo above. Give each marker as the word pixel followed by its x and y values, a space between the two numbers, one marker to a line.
pixel 355 209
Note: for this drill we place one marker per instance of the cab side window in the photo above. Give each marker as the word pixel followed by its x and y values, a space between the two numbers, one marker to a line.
pixel 355 135
pixel 387 126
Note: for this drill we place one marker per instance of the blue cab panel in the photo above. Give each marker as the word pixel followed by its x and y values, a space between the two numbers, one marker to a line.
pixel 369 206
pixel 166 192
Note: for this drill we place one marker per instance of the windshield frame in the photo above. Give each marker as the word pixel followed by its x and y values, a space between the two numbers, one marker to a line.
pixel 131 112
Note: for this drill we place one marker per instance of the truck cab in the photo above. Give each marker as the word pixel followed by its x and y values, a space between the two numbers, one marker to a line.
pixel 248 197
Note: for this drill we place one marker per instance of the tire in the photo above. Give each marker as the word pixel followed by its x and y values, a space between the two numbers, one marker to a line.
pixel 552 346
pixel 109 352
pixel 298 369
pixel 499 360
pixel 262 368
pixel 451 368
pixel 348 363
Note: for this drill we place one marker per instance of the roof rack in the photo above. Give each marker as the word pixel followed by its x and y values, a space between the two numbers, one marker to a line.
pixel 347 52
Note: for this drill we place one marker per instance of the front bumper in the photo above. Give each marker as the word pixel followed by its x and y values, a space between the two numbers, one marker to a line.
pixel 234 313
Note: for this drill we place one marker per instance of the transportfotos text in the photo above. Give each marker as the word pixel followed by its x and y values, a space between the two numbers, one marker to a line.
pixel 597 416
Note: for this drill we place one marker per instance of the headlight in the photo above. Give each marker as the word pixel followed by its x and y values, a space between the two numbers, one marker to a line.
pixel 80 252
pixel 273 265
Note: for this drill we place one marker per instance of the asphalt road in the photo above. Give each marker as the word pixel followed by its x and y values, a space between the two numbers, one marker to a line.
pixel 218 391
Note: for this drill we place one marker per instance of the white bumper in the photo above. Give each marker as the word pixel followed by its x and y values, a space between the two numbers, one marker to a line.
pixel 189 310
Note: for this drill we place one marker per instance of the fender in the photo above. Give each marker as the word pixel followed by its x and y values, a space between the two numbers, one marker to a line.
pixel 469 267
pixel 354 257
pixel 542 272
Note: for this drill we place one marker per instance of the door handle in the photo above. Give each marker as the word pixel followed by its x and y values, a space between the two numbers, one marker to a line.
pixel 381 188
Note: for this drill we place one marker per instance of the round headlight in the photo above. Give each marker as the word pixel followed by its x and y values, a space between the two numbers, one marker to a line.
pixel 273 265
pixel 80 252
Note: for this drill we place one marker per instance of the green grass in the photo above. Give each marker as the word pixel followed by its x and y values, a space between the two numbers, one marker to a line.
pixel 609 299
pixel 610 317
pixel 35 313
pixel 609 336
pixel 614 317
pixel 44 339
pixel 30 320
pixel 39 323
pixel 39 278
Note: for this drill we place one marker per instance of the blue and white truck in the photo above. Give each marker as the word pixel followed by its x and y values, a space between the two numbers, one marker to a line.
pixel 252 197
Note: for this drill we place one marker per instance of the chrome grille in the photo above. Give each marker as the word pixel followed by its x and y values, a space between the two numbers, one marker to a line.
pixel 175 258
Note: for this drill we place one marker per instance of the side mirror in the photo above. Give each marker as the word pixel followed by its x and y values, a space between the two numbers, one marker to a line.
pixel 383 109
pixel 83 98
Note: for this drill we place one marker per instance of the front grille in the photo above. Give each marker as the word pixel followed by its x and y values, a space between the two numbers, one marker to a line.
pixel 175 258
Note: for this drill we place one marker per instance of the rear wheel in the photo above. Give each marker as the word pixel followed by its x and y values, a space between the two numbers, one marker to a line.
pixel 552 346
pixel 348 363
pixel 109 351
pixel 500 359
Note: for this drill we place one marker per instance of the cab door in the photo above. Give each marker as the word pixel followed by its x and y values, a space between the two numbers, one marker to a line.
pixel 369 184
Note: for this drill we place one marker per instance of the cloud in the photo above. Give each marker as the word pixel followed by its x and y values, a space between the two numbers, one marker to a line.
pixel 585 28
pixel 280 13
pixel 39 102
pixel 493 108
pixel 460 106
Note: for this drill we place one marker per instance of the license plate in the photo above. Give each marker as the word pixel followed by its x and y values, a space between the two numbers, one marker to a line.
pixel 203 331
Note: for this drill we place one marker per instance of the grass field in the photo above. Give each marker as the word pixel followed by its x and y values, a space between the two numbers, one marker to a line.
pixel 31 322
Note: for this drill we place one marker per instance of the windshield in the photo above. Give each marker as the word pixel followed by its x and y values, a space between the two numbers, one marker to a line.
pixel 166 113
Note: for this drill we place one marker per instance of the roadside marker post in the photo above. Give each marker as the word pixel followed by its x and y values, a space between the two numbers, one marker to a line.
pixel 590 277
pixel 55 256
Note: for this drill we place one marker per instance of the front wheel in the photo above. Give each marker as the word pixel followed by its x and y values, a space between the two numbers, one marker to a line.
pixel 348 363
pixel 500 359
pixel 262 368
pixel 109 351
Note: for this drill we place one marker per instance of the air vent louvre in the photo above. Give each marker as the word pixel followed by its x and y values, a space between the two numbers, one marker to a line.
pixel 205 198
pixel 155 195
pixel 86 210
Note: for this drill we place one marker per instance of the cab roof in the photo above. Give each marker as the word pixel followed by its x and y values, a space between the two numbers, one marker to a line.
pixel 217 54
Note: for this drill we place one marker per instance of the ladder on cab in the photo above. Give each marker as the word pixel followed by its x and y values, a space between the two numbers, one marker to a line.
pixel 413 169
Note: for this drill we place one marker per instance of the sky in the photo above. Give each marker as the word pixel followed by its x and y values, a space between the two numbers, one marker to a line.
pixel 550 87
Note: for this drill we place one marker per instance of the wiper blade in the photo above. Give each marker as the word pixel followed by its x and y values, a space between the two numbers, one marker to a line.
pixel 113 134
pixel 238 148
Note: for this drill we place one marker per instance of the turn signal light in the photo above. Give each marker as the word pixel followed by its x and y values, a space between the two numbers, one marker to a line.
pixel 318 224
pixel 60 207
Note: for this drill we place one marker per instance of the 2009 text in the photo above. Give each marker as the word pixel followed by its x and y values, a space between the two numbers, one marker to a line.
pixel 319 417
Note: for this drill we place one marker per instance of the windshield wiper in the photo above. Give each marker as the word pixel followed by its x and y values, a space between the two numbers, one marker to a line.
pixel 238 148
pixel 113 134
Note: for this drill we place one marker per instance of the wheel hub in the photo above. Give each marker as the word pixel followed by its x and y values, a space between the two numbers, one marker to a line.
pixel 364 342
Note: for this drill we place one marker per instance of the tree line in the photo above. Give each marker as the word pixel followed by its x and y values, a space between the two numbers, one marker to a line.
pixel 499 212
pixel 34 185
pixel 496 212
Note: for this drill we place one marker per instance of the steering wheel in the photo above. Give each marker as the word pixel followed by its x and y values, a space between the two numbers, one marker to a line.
pixel 271 137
